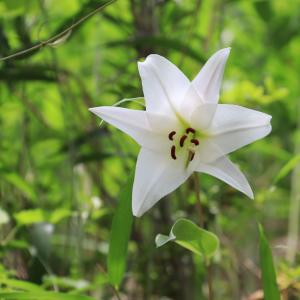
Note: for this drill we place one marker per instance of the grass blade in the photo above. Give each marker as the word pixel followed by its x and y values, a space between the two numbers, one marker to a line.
pixel 270 287
pixel 120 234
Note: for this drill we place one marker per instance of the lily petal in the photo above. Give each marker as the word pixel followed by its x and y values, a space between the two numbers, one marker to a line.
pixel 202 115
pixel 136 124
pixel 234 127
pixel 233 140
pixel 209 79
pixel 164 85
pixel 155 177
pixel 226 171
pixel 230 117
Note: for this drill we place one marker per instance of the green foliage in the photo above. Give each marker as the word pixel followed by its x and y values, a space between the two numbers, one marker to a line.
pixel 31 216
pixel 120 234
pixel 287 168
pixel 188 235
pixel 63 218
pixel 270 287
pixel 42 296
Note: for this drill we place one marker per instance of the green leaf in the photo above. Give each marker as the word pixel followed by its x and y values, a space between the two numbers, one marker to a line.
pixel 30 216
pixel 270 287
pixel 264 9
pixel 188 235
pixel 20 285
pixel 120 234
pixel 287 168
pixel 42 296
pixel 21 185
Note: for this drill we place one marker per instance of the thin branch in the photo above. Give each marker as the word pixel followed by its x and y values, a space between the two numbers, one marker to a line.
pixel 59 35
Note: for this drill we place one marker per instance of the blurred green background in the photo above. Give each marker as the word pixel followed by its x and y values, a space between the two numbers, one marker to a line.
pixel 61 173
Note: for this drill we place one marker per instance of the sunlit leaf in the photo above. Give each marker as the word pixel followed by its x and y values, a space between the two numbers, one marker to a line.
pixel 187 234
pixel 30 216
pixel 270 287
pixel 120 234
pixel 58 215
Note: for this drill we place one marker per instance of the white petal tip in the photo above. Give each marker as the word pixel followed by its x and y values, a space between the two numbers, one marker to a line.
pixel 250 195
pixel 137 213
pixel 96 111
pixel 93 109
pixel 225 51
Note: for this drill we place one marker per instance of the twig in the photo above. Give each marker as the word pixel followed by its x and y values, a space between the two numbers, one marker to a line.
pixel 59 35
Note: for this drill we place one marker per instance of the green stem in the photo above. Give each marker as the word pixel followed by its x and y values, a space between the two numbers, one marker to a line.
pixel 201 222
pixel 294 225
pixel 198 199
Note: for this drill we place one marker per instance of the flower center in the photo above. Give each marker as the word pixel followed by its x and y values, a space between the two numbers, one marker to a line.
pixel 186 142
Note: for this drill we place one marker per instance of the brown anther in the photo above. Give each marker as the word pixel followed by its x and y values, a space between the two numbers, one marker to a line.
pixel 182 139
pixel 190 129
pixel 192 155
pixel 171 135
pixel 195 142
pixel 173 152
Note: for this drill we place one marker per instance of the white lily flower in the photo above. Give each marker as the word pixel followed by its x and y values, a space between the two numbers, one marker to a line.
pixel 184 129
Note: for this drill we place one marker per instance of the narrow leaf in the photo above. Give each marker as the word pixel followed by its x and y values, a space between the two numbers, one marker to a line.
pixel 120 234
pixel 270 287
pixel 287 168
pixel 16 284
pixel 188 235
pixel 42 296
pixel 21 185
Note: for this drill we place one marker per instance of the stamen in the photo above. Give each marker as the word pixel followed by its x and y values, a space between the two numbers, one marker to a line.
pixel 171 135
pixel 195 142
pixel 182 139
pixel 173 152
pixel 190 129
